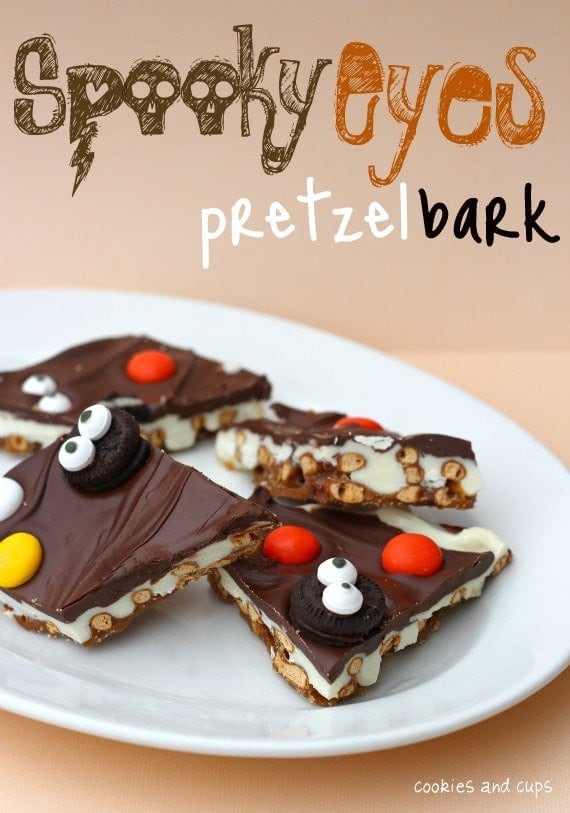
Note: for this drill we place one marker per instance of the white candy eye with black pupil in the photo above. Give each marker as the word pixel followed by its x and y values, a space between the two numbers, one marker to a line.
pixel 11 497
pixel 342 598
pixel 76 453
pixel 94 422
pixel 336 571
pixel 39 384
pixel 54 404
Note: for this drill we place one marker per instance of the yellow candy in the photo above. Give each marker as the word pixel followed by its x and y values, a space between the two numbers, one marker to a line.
pixel 20 557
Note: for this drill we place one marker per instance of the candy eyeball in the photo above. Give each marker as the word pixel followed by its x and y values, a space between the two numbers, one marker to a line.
pixel 342 598
pixel 336 571
pixel 76 453
pixel 11 497
pixel 39 384
pixel 55 403
pixel 94 422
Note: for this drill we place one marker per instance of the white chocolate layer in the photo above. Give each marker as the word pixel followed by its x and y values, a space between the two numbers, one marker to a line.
pixel 382 472
pixel 474 540
pixel 34 431
pixel 179 433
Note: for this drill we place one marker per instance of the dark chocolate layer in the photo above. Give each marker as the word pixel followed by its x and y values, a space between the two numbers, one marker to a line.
pixel 98 546
pixel 360 538
pixel 95 371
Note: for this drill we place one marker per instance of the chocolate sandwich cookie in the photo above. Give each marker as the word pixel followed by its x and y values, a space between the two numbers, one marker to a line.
pixel 309 615
pixel 105 449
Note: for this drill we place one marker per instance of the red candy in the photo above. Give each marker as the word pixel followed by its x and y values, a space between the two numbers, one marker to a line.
pixel 150 367
pixel 365 423
pixel 415 554
pixel 291 545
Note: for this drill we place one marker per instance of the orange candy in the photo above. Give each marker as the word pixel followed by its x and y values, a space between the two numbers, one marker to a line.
pixel 365 423
pixel 150 367
pixel 291 545
pixel 415 554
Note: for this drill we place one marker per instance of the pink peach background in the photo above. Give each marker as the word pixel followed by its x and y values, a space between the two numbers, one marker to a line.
pixel 135 221
pixel 494 320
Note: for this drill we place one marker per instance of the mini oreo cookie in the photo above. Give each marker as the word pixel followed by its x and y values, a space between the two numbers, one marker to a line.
pixel 118 455
pixel 309 615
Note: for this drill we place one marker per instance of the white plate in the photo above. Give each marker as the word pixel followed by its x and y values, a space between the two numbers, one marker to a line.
pixel 189 675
